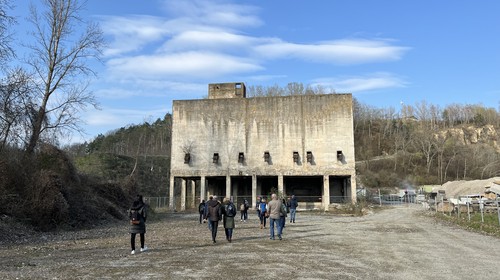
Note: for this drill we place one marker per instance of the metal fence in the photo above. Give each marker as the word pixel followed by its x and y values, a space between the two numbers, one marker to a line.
pixel 157 202
pixel 163 201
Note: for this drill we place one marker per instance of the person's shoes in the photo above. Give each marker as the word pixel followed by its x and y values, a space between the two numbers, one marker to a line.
pixel 133 252
pixel 230 239
pixel 144 249
pixel 279 236
pixel 290 221
pixel 294 222
pixel 272 238
pixel 214 241
pixel 261 226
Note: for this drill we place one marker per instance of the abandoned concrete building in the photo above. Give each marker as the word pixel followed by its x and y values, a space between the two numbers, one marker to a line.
pixel 232 146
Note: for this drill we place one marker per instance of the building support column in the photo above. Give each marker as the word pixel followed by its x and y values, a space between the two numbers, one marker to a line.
pixel 203 190
pixel 326 192
pixel 171 194
pixel 228 186
pixel 254 190
pixel 352 180
pixel 280 183
pixel 192 203
pixel 183 194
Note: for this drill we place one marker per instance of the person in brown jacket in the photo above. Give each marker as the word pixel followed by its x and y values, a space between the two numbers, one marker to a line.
pixel 214 215
pixel 274 208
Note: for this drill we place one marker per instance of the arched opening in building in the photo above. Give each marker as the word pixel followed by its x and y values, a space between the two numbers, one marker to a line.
pixel 340 189
pixel 217 186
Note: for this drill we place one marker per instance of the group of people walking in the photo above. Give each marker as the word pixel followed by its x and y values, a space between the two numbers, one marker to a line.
pixel 213 211
pixel 276 210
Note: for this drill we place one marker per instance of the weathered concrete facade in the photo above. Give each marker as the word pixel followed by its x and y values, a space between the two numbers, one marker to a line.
pixel 243 147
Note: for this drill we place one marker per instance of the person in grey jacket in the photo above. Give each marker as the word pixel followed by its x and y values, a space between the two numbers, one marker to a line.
pixel 140 228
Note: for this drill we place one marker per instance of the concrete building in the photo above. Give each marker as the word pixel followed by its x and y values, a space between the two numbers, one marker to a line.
pixel 230 145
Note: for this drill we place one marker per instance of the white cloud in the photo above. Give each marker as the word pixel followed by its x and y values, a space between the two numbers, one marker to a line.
pixel 357 84
pixel 338 52
pixel 215 13
pixel 188 65
pixel 215 40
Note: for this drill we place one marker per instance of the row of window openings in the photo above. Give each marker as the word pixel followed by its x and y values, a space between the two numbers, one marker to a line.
pixel 267 157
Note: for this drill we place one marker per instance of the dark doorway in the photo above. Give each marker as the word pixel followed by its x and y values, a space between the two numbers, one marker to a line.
pixel 217 186
pixel 338 189
pixel 305 188
pixel 267 183
pixel 241 188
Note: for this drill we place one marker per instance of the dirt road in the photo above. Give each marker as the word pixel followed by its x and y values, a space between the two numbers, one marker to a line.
pixel 396 243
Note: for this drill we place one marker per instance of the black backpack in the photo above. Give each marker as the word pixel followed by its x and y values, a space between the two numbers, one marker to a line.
pixel 201 208
pixel 135 217
pixel 230 210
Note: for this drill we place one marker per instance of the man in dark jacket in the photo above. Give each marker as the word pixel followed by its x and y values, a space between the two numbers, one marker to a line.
pixel 214 215
pixel 201 210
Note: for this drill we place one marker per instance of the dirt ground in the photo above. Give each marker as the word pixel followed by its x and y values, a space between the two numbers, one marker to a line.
pixel 395 243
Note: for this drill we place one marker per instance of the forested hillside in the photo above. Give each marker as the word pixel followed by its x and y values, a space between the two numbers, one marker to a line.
pixel 139 153
pixel 419 144
pixel 424 144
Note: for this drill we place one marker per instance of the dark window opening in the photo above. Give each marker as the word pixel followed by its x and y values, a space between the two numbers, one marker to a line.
pixel 216 158
pixel 296 157
pixel 309 156
pixel 267 157
pixel 241 157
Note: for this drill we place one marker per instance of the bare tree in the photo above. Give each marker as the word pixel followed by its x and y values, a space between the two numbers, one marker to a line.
pixel 15 107
pixel 6 50
pixel 60 53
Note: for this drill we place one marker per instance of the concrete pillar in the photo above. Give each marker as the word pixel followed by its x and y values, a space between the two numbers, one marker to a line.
pixel 203 190
pixel 234 192
pixel 183 194
pixel 171 194
pixel 254 190
pixel 193 203
pixel 326 192
pixel 228 187
pixel 353 187
pixel 280 183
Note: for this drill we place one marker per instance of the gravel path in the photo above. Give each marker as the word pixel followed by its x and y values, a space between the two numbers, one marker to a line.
pixel 394 243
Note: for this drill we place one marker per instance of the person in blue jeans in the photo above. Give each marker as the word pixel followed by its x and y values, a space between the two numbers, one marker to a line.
pixel 262 213
pixel 293 208
pixel 275 210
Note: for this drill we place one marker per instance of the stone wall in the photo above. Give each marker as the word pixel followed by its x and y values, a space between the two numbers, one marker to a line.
pixel 321 124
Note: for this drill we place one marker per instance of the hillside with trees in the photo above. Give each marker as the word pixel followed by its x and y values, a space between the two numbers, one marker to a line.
pixel 419 144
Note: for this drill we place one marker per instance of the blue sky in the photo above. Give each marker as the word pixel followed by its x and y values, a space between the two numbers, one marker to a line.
pixel 384 52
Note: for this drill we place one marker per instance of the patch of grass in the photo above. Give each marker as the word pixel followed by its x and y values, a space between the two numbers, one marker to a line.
pixel 490 226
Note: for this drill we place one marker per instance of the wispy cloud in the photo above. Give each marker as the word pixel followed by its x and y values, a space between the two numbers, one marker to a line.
pixel 337 52
pixel 202 39
pixel 358 84
pixel 181 65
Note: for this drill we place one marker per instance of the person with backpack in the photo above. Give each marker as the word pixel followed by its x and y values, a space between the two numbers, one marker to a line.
pixel 242 212
pixel 201 210
pixel 213 216
pixel 229 211
pixel 283 213
pixel 247 205
pixel 263 213
pixel 138 214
